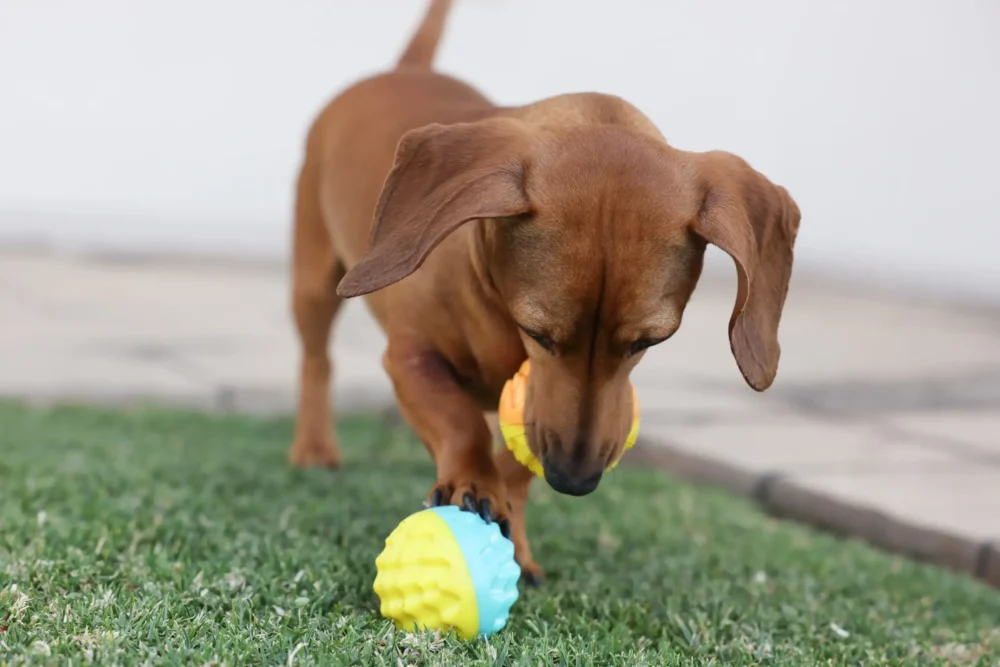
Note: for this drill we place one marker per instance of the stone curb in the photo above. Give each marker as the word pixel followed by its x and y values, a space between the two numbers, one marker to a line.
pixel 991 564
pixel 785 499
pixel 778 496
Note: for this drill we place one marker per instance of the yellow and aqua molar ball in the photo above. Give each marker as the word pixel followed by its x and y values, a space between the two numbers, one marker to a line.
pixel 510 414
pixel 443 568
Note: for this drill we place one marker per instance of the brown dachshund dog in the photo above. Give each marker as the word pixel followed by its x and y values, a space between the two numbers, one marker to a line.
pixel 565 231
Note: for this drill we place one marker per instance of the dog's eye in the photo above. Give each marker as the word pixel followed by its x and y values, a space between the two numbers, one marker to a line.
pixel 544 341
pixel 643 343
pixel 541 339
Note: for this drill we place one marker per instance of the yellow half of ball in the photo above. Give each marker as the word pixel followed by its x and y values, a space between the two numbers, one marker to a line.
pixel 511 417
pixel 423 581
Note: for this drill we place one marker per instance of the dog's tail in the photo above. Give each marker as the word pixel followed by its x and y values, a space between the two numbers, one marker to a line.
pixel 422 47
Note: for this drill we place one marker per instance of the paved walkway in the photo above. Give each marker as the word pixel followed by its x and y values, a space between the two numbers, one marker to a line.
pixel 884 422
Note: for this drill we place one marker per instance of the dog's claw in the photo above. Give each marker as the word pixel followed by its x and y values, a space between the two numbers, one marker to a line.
pixel 533 579
pixel 486 510
pixel 469 503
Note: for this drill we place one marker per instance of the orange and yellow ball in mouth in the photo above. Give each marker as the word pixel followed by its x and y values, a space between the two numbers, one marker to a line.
pixel 511 417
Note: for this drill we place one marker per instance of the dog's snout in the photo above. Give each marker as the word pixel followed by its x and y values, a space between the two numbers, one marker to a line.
pixel 551 442
pixel 569 483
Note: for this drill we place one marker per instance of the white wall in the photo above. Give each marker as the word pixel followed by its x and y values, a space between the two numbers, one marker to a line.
pixel 178 124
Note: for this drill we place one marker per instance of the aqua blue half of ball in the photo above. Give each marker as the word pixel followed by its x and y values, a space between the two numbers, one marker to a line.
pixel 490 559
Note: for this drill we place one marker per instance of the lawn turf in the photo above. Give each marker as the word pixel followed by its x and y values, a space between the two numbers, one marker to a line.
pixel 179 538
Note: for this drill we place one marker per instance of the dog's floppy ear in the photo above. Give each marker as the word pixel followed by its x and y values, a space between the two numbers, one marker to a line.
pixel 443 177
pixel 755 222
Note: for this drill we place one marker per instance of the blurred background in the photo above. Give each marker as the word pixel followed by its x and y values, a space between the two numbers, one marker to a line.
pixel 174 129
pixel 177 126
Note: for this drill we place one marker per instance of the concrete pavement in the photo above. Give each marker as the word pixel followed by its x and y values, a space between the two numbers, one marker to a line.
pixel 884 422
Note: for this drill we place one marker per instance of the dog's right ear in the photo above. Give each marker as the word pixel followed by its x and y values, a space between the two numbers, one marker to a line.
pixel 443 177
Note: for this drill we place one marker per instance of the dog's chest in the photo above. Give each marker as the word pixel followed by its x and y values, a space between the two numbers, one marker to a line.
pixel 487 367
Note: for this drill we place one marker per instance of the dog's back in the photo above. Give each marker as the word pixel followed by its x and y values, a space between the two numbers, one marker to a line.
pixel 353 140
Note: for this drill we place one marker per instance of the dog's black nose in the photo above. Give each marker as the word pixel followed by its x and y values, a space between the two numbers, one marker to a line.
pixel 569 484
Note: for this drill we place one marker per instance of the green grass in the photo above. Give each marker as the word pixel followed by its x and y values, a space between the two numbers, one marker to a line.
pixel 157 537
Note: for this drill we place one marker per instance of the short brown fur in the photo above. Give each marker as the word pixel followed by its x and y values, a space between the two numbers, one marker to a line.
pixel 566 231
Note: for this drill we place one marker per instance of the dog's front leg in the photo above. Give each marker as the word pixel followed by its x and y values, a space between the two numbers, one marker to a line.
pixel 452 427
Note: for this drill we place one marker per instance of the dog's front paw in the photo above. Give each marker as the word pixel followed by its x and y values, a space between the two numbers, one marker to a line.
pixel 532 574
pixel 487 499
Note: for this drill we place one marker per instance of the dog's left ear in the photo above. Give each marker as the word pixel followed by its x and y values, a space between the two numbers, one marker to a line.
pixel 443 177
pixel 755 222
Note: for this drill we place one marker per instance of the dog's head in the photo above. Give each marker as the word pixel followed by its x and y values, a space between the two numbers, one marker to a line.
pixel 594 237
